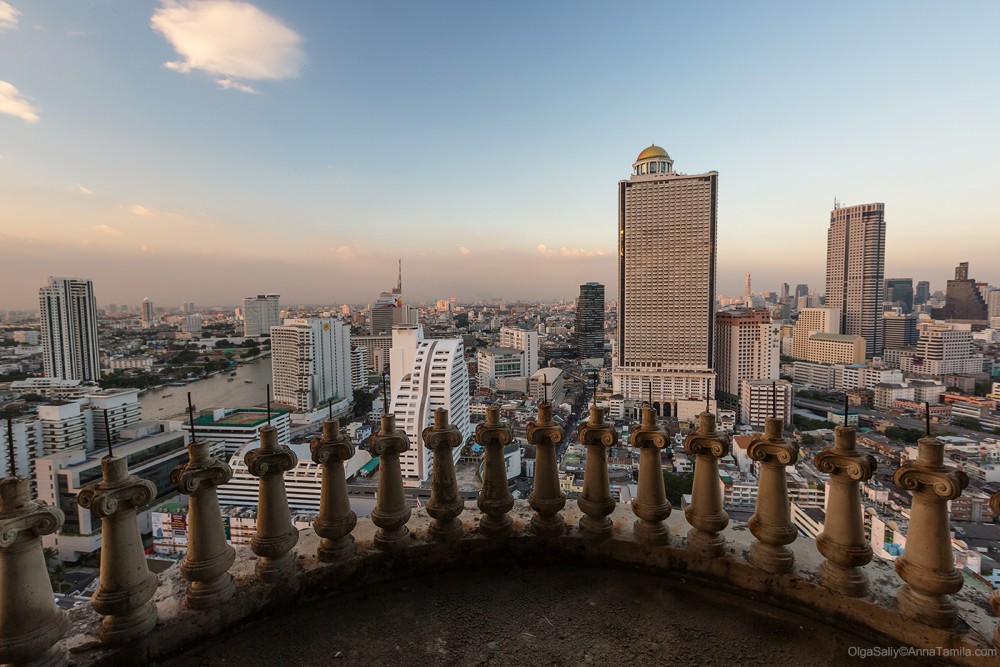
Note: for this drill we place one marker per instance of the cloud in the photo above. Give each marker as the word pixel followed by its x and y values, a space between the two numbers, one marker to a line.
pixel 139 209
pixel 15 104
pixel 8 16
pixel 463 250
pixel 232 40
pixel 571 252
pixel 104 229
pixel 82 190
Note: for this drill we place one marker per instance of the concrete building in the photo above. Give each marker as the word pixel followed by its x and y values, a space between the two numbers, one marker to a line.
pixel 588 330
pixel 146 316
pixel 121 407
pixel 359 367
pixel 666 272
pixel 963 300
pixel 234 428
pixel 899 294
pixel 498 363
pixel 855 271
pixel 377 350
pixel 311 363
pixel 760 399
pixel 835 349
pixel 525 340
pixel 67 390
pixel 812 321
pixel 900 329
pixel 28 447
pixel 992 304
pixel 747 347
pixel 841 377
pixel 547 382
pixel 69 329
pixel 426 375
pixel 29 337
pixel 191 324
pixel 65 426
pixel 260 313
pixel 942 348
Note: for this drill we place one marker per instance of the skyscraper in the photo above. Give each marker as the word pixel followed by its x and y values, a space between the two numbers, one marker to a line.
pixel 899 294
pixel 855 271
pixel 260 313
pixel 666 274
pixel 923 293
pixel 525 340
pixel 311 362
pixel 747 347
pixel 900 329
pixel 963 300
pixel 588 331
pixel 69 329
pixel 146 313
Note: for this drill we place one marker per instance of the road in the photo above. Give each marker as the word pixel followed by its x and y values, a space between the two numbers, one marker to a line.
pixel 878 415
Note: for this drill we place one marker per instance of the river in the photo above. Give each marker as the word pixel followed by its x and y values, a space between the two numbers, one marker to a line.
pixel 213 392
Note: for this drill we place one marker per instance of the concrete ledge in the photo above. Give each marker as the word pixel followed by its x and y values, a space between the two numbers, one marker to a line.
pixel 875 618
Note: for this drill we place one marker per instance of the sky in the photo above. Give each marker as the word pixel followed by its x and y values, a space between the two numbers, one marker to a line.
pixel 202 151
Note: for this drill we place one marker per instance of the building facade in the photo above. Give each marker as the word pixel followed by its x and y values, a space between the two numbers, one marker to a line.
pixel 747 347
pixel 146 315
pixel 666 274
pixel 900 329
pixel 260 313
pixel 498 363
pixel 69 329
pixel 855 271
pixel 760 399
pixel 311 362
pixel 588 331
pixel 525 340
pixel 812 321
pixel 899 294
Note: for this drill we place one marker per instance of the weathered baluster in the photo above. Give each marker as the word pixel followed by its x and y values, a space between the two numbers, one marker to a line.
pixel 494 500
pixel 927 565
pixel 275 534
pixel 595 500
pixel 391 511
pixel 842 541
pixel 995 594
pixel 650 505
pixel 126 589
pixel 547 499
pixel 209 557
pixel 445 505
pixel 336 520
pixel 771 522
pixel 30 622
pixel 705 513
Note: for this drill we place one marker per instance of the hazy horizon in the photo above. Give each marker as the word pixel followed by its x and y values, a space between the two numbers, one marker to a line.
pixel 206 151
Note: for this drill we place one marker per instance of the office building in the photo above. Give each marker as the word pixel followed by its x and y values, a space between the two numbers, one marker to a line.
pixel 234 428
pixel 359 367
pixel 547 383
pixel 922 294
pixel 311 363
pixel 69 329
pixel 260 313
pixel 588 331
pixel 498 363
pixel 993 304
pixel 426 375
pixel 29 337
pixel 813 321
pixel 146 316
pixel 191 324
pixel 525 340
pixel 666 273
pixel 747 347
pixel 835 349
pixel 760 399
pixel 900 329
pixel 67 390
pixel 855 271
pixel 964 300
pixel 27 448
pixel 376 350
pixel 188 308
pixel 899 294
pixel 942 349
pixel 120 406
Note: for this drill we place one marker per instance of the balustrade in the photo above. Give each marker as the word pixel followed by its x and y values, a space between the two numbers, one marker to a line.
pixel 494 500
pixel 650 505
pixel 547 499
pixel 336 520
pixel 771 522
pixel 445 505
pixel 705 513
pixel 275 534
pixel 391 511
pixel 595 500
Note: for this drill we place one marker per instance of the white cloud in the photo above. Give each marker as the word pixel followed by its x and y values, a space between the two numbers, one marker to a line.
pixel 82 190
pixel 14 103
pixel 138 209
pixel 570 252
pixel 8 16
pixel 464 250
pixel 232 40
pixel 104 229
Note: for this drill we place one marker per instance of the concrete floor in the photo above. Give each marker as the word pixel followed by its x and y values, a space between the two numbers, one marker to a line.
pixel 533 616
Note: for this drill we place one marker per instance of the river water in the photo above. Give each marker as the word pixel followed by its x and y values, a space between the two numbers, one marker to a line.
pixel 214 392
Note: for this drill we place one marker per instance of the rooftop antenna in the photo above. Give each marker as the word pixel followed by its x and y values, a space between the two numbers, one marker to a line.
pixel 595 375
pixel 10 447
pixel 545 388
pixel 330 407
pixel 927 416
pixel 385 395
pixel 708 404
pixel 107 431
pixel 847 408
pixel 191 417
pixel 268 404
pixel 774 400
pixel 650 389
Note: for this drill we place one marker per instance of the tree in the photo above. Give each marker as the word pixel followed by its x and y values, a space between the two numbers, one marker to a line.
pixel 362 402
pixel 910 435
pixel 677 486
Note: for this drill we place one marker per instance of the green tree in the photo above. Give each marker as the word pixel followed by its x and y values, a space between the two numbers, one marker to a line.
pixel 910 435
pixel 362 402
pixel 677 486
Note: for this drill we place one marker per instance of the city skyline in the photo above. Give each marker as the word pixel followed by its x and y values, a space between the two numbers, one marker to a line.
pixel 130 149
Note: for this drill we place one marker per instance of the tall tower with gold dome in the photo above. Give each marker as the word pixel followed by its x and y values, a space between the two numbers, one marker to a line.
pixel 666 286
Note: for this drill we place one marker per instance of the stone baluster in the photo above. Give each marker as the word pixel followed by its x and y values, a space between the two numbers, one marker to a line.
pixel 336 520
pixel 927 565
pixel 275 534
pixel 30 622
pixel 547 499
pixel 771 522
pixel 126 587
pixel 995 595
pixel 494 500
pixel 705 513
pixel 595 500
pixel 445 505
pixel 650 505
pixel 842 541
pixel 391 511
pixel 209 557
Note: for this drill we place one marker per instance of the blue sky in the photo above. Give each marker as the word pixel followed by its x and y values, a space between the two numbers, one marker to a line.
pixel 206 150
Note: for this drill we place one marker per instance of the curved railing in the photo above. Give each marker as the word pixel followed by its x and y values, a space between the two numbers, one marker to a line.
pixel 138 618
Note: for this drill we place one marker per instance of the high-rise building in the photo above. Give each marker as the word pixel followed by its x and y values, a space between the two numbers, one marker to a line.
pixel 899 294
pixel 855 271
pixel 963 300
pixel 900 329
pixel 188 308
pixel 588 331
pixel 666 274
pixel 784 292
pixel 146 315
pixel 311 362
pixel 760 399
pixel 943 348
pixel 812 321
pixel 923 293
pixel 191 324
pixel 260 313
pixel 497 363
pixel 993 303
pixel 376 349
pixel 69 329
pixel 426 375
pixel 747 347
pixel 525 340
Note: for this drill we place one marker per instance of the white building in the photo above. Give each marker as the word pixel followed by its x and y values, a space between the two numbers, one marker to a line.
pixel 855 271
pixel 524 340
pixel 191 324
pixel 377 350
pixel 359 367
pixel 943 348
pixel 311 363
pixel 547 382
pixel 121 407
pixel 260 313
pixel 840 376
pixel 50 388
pixel 499 363
pixel 69 329
pixel 426 375
pixel 27 447
pixel 146 316
pixel 64 426
pixel 747 347
pixel 813 321
pixel 760 399
pixel 234 428
pixel 666 268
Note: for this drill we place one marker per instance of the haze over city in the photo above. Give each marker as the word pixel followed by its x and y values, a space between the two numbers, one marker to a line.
pixel 481 144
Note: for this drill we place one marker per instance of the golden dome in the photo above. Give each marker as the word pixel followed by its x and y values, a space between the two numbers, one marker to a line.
pixel 652 151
